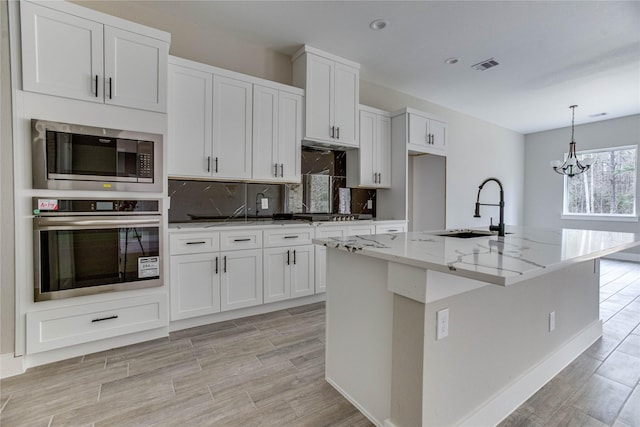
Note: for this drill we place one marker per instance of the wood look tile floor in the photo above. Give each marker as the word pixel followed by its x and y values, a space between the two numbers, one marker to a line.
pixel 268 370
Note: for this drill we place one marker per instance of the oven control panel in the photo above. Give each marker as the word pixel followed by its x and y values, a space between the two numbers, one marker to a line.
pixel 53 207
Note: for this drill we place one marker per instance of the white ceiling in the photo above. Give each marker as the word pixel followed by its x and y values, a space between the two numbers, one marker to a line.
pixel 552 54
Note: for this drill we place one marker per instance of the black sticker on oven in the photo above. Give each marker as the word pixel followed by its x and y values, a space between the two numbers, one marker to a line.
pixel 148 266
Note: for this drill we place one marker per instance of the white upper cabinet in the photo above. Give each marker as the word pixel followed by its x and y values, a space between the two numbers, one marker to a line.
pixel 135 70
pixel 332 86
pixel 65 54
pixel 277 134
pixel 224 125
pixel 370 166
pixel 426 134
pixel 232 112
pixel 190 122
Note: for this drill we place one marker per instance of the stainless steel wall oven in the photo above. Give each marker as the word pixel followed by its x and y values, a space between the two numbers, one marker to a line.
pixel 88 246
pixel 74 157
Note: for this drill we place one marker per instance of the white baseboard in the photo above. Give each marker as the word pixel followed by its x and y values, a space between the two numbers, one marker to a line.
pixel 624 256
pixel 509 399
pixel 11 365
pixel 178 325
pixel 364 412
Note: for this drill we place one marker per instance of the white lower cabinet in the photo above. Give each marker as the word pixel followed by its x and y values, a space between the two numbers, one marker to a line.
pixel 195 285
pixel 288 272
pixel 241 280
pixel 67 326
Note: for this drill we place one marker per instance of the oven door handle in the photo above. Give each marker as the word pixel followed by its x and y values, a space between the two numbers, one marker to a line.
pixel 95 222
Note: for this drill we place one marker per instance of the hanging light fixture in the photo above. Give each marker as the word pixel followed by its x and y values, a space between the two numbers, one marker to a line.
pixel 572 166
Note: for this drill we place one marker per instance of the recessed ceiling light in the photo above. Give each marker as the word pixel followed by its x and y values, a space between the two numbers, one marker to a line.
pixel 451 61
pixel 378 24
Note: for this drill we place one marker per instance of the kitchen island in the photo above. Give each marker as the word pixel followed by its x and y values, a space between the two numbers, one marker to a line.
pixel 429 329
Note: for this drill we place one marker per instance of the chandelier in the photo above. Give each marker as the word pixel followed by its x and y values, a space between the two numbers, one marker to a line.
pixel 572 166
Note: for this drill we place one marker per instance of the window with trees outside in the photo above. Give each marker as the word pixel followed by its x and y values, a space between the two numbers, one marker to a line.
pixel 608 188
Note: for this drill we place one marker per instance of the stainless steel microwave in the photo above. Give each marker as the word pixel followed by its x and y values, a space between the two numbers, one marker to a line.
pixel 75 157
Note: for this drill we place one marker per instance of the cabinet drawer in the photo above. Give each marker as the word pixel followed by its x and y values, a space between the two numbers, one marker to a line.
pixel 63 327
pixel 360 230
pixel 391 228
pixel 194 243
pixel 287 237
pixel 240 239
pixel 324 232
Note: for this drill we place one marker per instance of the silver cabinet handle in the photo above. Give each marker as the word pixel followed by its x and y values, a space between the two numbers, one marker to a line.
pixel 281 170
pixel 276 168
pixel 338 132
pixel 208 163
pixel 225 264
pixel 333 131
pixel 196 243
pixel 216 165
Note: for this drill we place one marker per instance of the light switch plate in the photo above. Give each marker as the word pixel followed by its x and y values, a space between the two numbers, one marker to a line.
pixel 369 204
pixel 442 324
pixel 264 203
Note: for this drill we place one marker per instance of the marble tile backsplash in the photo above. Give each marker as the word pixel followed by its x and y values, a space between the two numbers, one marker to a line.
pixel 224 201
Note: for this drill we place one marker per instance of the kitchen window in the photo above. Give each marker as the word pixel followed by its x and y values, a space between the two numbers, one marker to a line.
pixel 607 190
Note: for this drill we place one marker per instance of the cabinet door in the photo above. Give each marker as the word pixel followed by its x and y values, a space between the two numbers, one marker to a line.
pixel 320 264
pixel 438 132
pixel 319 98
pixel 367 160
pixel 61 54
pixel 241 280
pixel 232 116
pixel 302 273
pixel 418 131
pixel 266 164
pixel 289 136
pixel 189 122
pixel 277 274
pixel 346 96
pixel 135 70
pixel 383 151
pixel 195 285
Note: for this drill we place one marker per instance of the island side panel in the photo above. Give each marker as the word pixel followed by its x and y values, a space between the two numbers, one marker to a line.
pixel 359 329
pixel 499 334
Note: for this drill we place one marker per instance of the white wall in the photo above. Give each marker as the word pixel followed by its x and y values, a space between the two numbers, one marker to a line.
pixel 7 271
pixel 475 150
pixel 544 187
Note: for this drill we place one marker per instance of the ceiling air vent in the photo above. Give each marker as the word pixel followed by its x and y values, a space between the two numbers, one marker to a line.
pixel 485 65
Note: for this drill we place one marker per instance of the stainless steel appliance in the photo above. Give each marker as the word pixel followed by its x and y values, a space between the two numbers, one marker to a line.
pixel 88 246
pixel 321 216
pixel 74 157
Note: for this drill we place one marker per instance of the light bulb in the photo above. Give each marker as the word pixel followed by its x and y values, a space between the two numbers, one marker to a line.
pixel 555 163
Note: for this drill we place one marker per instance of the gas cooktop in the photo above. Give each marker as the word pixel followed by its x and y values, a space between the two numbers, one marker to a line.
pixel 331 217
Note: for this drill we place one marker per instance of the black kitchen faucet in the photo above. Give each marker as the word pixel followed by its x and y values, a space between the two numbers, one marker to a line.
pixel 500 227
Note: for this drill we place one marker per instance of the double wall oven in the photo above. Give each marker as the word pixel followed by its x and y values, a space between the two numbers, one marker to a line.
pixel 103 243
pixel 88 246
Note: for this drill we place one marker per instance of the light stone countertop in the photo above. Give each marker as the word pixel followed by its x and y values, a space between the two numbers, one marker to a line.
pixel 268 223
pixel 520 255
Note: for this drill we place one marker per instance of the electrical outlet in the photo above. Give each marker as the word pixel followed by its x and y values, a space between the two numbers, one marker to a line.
pixel 552 321
pixel 265 203
pixel 442 322
pixel 370 204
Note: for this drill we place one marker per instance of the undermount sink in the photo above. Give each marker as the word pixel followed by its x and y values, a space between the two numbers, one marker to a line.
pixel 466 234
